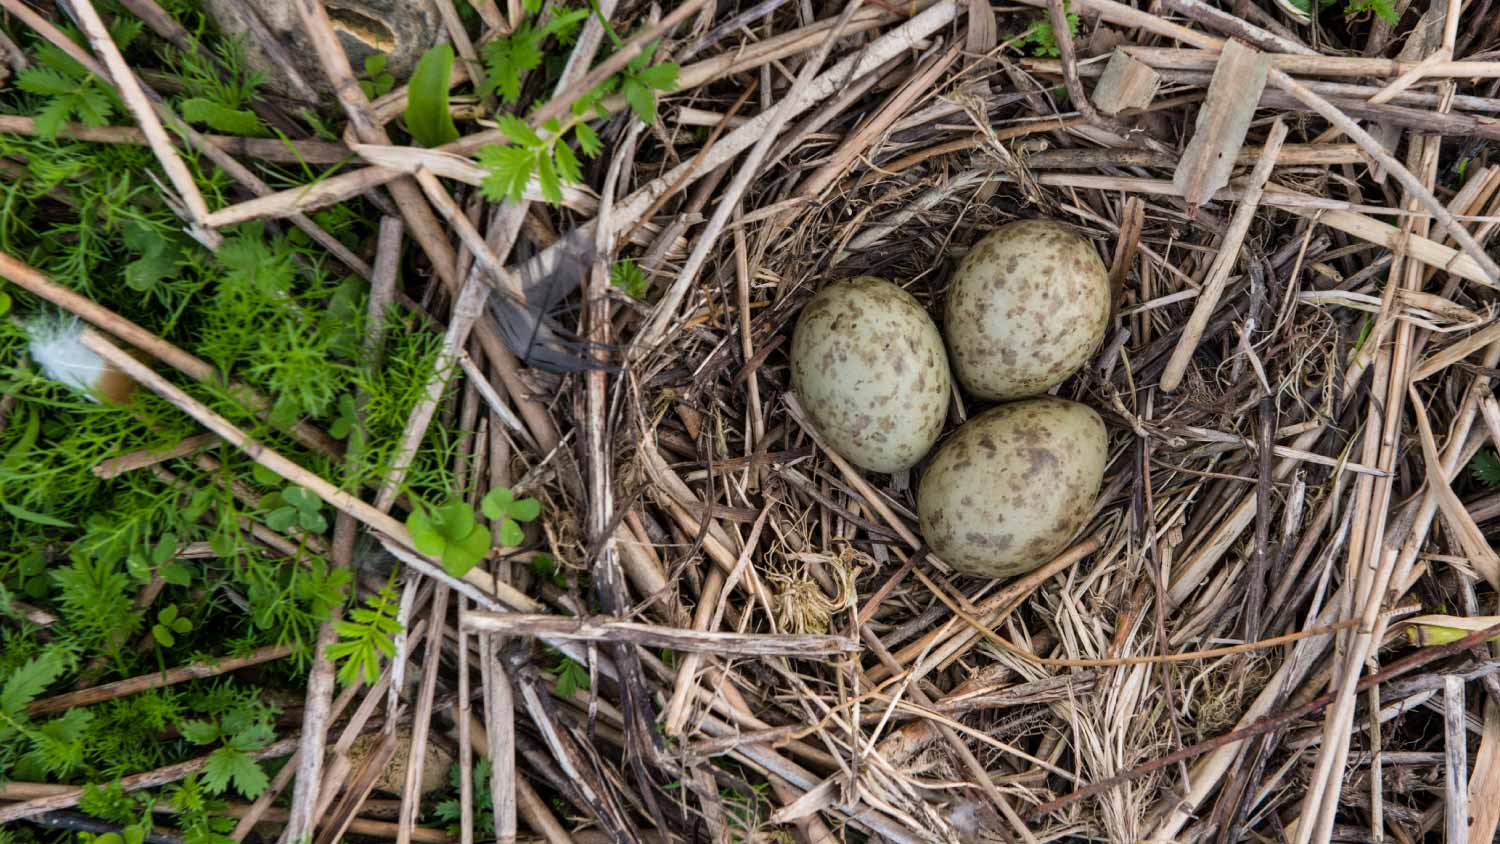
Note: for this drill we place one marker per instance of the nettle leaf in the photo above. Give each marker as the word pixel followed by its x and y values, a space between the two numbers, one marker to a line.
pixel 588 140
pixel 45 81
pixel 221 118
pixel 662 77
pixel 427 116
pixel 1485 467
pixel 229 764
pixel 199 732
pixel 375 64
pixel 626 276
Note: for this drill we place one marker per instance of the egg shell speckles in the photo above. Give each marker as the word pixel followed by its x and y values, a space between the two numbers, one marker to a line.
pixel 1007 491
pixel 1026 308
pixel 869 367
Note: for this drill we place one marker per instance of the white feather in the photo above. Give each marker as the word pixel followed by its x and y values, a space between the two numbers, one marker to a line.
pixel 56 348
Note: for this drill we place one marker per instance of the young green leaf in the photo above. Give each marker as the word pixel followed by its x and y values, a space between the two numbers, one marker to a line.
pixel 588 141
pixel 424 533
pixel 626 276
pixel 496 503
pixel 231 765
pixel 511 533
pixel 427 116
pixel 231 121
pixel 572 678
pixel 465 553
pixel 199 732
pixel 509 170
pixel 525 509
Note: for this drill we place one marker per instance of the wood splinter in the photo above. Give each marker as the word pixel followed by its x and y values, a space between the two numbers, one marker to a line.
pixel 1126 83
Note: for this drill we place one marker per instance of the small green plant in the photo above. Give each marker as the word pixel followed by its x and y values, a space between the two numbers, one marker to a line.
pixel 219 90
pixel 572 677
pixel 1040 38
pixel 546 156
pixel 145 562
pixel 501 505
pixel 1383 9
pixel 640 81
pixel 31 569
pixel 240 732
pixel 543 566
pixel 427 116
pixel 113 804
pixel 1485 467
pixel 509 57
pixel 159 257
pixel 363 637
pixel 626 276
pixel 169 625
pixel 377 82
pixel 70 89
pixel 450 810
pixel 449 532
pixel 300 507
pixel 55 747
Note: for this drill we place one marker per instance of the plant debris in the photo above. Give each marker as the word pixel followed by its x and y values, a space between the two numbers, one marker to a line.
pixel 448 483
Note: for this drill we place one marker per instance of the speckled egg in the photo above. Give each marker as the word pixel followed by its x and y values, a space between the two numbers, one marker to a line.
pixel 1027 306
pixel 1007 491
pixel 869 368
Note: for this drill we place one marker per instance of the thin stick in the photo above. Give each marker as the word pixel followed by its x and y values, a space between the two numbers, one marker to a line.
pixel 1408 180
pixel 800 97
pixel 603 629
pixel 465 749
pixel 135 782
pixel 155 680
pixel 1456 762
pixel 1269 722
pixel 1228 255
pixel 411 796
pixel 145 115
pixel 278 150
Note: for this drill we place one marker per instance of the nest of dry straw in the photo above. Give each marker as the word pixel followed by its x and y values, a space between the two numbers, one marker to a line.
pixel 1295 217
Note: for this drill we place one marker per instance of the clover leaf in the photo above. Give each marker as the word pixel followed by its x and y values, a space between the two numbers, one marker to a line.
pixel 502 506
pixel 169 622
pixel 451 533
pixel 300 506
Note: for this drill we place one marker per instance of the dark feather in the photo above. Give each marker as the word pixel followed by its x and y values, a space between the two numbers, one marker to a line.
pixel 533 331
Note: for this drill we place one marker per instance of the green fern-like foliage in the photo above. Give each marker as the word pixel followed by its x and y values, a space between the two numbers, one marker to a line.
pixel 68 90
pixel 1485 468
pixel 367 635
